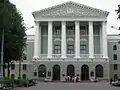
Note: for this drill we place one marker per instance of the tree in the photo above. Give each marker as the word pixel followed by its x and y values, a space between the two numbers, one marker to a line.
pixel 118 11
pixel 11 22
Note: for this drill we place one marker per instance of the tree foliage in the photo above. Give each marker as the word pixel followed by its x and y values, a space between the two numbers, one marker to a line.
pixel 118 11
pixel 11 22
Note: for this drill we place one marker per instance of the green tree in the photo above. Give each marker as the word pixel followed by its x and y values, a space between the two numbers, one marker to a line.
pixel 118 11
pixel 11 22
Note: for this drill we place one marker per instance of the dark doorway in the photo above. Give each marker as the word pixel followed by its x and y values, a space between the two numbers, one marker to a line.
pixel 42 71
pixel 99 71
pixel 85 72
pixel 56 72
pixel 70 70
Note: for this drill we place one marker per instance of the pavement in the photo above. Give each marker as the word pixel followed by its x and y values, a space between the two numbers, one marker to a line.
pixel 71 86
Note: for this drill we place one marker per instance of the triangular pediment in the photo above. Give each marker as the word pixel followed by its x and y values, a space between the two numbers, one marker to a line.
pixel 71 9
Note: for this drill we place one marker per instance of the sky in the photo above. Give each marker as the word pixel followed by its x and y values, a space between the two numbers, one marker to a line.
pixel 26 7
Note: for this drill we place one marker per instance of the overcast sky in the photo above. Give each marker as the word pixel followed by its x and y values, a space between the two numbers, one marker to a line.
pixel 26 7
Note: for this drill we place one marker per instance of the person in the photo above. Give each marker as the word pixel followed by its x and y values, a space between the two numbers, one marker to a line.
pixel 111 81
pixel 68 77
pixel 77 79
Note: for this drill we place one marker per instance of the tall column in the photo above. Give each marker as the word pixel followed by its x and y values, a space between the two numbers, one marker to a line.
pixel 77 41
pixel 104 34
pixel 50 39
pixel 63 43
pixel 91 43
pixel 37 43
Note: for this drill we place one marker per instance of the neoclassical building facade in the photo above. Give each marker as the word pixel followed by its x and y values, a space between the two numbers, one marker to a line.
pixel 70 39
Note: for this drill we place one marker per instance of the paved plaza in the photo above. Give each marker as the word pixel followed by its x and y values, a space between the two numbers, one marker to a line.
pixel 71 86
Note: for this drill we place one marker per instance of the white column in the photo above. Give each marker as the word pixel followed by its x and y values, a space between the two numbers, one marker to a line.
pixel 104 33
pixel 37 45
pixel 50 39
pixel 63 43
pixel 77 41
pixel 91 43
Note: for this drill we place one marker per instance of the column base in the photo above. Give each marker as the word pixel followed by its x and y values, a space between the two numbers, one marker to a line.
pixel 35 57
pixel 63 57
pixel 91 57
pixel 77 57
pixel 49 56
pixel 105 57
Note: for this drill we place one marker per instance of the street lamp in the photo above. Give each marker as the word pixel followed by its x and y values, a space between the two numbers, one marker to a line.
pixel 19 77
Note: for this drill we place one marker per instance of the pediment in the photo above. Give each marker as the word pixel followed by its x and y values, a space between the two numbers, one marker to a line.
pixel 71 9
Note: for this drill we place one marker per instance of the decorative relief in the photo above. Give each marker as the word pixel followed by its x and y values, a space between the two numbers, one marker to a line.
pixel 70 10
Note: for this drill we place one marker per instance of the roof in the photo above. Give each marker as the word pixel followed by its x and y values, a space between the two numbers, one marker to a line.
pixel 78 9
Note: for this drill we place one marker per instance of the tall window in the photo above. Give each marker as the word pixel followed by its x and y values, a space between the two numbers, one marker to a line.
pixel 114 47
pixel 70 49
pixel 57 48
pixel 70 30
pixel 13 66
pixel 83 49
pixel 115 57
pixel 24 66
pixel 57 30
pixel 115 66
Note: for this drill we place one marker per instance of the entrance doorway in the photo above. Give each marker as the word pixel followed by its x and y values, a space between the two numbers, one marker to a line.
pixel 70 70
pixel 56 72
pixel 85 72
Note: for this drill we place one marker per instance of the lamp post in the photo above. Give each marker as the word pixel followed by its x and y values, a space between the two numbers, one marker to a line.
pixel 2 55
pixel 19 77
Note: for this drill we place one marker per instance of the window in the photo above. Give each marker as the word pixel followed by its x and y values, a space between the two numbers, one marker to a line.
pixel 115 57
pixel 35 73
pixel 83 49
pixel 70 30
pixel 57 49
pixel 13 66
pixel 70 49
pixel 57 30
pixel 114 47
pixel 24 66
pixel 12 76
pixel 24 57
pixel 115 66
pixel 24 76
pixel 92 73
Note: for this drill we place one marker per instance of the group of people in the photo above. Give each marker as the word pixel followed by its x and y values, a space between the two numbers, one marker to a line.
pixel 71 78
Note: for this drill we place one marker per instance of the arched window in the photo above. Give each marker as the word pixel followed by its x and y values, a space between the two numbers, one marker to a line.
pixel 114 47
pixel 70 70
pixel 42 71
pixel 115 57
pixel 99 71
